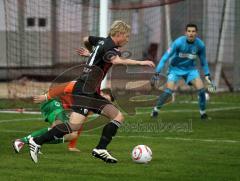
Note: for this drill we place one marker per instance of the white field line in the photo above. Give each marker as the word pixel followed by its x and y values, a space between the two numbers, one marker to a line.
pixel 138 112
pixel 172 138
pixel 145 137
pixel 208 102
pixel 202 140
pixel 148 137
pixel 187 110
pixel 19 120
pixel 19 112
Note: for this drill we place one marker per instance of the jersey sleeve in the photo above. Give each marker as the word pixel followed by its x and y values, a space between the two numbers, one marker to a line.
pixel 203 60
pixel 60 89
pixel 170 52
pixel 69 87
pixel 110 54
pixel 93 40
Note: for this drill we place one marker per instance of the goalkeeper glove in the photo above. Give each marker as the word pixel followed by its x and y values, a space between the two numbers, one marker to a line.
pixel 154 79
pixel 158 80
pixel 211 85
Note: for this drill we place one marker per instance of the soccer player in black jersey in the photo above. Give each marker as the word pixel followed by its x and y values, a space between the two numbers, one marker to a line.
pixel 86 95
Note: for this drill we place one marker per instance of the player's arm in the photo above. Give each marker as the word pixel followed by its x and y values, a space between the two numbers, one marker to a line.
pixel 90 41
pixel 170 52
pixel 204 65
pixel 154 81
pixel 107 93
pixel 87 44
pixel 203 60
pixel 118 60
pixel 83 52
pixel 40 98
pixel 55 91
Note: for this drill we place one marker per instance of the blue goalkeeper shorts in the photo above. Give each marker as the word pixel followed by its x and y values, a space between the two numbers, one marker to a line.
pixel 187 75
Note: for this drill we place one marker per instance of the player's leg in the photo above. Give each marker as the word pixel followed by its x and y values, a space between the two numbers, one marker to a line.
pixel 18 144
pixel 34 134
pixel 195 79
pixel 167 93
pixel 57 115
pixel 49 110
pixel 198 84
pixel 62 129
pixel 72 137
pixel 53 113
pixel 108 132
pixel 57 132
pixel 110 129
pixel 72 146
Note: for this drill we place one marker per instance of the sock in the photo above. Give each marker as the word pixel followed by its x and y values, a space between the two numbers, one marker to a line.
pixel 108 132
pixel 202 112
pixel 202 100
pixel 163 98
pixel 73 143
pixel 55 133
pixel 34 134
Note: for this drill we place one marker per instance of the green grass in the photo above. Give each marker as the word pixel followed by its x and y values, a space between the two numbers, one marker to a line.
pixel 183 146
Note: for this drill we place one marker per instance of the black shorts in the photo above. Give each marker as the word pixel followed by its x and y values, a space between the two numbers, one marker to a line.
pixel 83 101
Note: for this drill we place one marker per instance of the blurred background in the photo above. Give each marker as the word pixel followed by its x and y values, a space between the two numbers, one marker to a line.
pixel 38 38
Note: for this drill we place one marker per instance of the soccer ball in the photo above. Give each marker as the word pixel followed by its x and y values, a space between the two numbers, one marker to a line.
pixel 141 154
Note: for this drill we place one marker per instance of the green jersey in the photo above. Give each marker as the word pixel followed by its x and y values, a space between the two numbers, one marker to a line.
pixel 53 110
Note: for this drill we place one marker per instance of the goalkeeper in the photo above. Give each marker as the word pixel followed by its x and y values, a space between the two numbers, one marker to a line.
pixel 182 56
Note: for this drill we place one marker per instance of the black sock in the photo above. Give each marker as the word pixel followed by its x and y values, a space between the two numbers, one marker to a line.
pixel 56 132
pixel 108 132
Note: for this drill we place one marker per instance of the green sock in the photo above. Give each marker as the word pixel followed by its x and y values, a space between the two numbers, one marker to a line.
pixel 34 134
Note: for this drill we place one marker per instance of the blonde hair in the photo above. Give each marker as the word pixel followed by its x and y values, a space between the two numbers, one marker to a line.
pixel 119 26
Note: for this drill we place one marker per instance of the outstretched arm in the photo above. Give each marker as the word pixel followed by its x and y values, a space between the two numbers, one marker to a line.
pixel 203 61
pixel 204 65
pixel 55 91
pixel 40 98
pixel 90 41
pixel 118 60
pixel 171 50
pixel 83 52
pixel 87 44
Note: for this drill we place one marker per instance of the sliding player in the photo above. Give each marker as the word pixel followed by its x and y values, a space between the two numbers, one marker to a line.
pixel 54 112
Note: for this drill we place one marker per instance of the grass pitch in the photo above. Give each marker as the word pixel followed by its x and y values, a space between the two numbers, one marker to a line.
pixel 183 146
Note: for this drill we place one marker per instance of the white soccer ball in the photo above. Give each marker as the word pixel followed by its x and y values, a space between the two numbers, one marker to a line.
pixel 141 154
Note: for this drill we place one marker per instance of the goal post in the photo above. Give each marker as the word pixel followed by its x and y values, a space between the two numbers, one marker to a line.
pixel 103 29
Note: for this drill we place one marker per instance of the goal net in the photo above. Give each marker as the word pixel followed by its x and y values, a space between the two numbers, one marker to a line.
pixel 41 37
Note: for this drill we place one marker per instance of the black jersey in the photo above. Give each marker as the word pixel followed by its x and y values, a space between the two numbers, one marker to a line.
pixel 98 63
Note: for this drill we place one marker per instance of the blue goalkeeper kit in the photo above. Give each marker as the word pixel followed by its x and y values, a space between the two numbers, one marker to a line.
pixel 182 55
